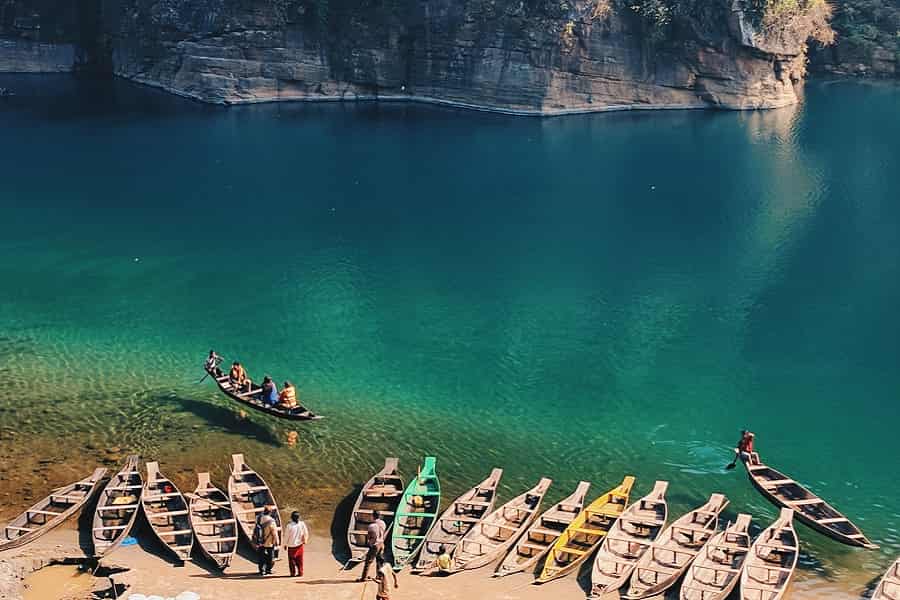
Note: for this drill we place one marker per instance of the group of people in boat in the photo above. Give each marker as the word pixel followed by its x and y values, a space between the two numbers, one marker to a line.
pixel 269 394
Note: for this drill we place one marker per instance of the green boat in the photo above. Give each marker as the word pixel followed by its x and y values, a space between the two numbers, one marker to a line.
pixel 416 514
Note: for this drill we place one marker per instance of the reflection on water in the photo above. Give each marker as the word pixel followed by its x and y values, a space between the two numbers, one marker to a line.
pixel 577 298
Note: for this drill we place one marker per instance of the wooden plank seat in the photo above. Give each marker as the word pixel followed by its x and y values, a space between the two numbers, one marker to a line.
pixel 252 489
pixel 214 523
pixel 500 526
pixel 371 511
pixel 236 474
pixel 570 550
pixel 158 497
pixel 586 531
pixel 15 528
pixel 174 532
pixel 473 503
pixel 219 540
pixel 807 502
pixel 533 547
pixel 124 488
pixel 110 528
pixel 258 509
pixel 777 482
pixel 65 499
pixel 832 521
pixel 543 531
pixel 460 519
pixel 171 513
pixel 36 511
pixel 118 507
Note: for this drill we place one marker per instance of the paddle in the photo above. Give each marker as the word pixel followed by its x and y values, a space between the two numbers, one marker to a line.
pixel 202 379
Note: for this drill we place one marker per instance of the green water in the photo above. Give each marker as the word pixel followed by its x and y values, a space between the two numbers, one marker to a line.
pixel 579 298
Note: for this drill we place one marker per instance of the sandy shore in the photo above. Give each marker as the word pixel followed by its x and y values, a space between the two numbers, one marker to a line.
pixel 148 571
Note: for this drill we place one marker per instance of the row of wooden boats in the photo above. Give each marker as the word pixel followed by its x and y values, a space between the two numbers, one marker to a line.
pixel 209 518
pixel 637 555
pixel 634 552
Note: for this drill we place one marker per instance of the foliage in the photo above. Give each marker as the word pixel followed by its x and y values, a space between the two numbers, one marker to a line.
pixel 864 26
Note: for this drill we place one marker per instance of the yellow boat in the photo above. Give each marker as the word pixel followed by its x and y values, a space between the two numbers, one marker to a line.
pixel 582 537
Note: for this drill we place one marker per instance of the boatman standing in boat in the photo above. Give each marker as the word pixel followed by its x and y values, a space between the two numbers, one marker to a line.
pixel 375 533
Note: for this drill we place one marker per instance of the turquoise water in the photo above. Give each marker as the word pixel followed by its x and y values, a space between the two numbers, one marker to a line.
pixel 580 298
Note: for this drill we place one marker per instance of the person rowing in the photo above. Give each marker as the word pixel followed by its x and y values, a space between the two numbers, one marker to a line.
pixel 744 449
pixel 212 363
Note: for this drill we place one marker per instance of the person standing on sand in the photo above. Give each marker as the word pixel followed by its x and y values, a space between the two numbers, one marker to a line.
pixel 266 536
pixel 381 578
pixel 296 534
pixel 375 540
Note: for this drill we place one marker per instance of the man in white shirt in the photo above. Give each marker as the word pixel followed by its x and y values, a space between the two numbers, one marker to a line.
pixel 296 534
pixel 375 534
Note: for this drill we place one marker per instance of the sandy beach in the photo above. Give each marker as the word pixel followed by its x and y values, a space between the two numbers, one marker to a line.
pixel 144 569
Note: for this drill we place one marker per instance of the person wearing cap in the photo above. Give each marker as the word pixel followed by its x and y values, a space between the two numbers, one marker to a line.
pixel 296 534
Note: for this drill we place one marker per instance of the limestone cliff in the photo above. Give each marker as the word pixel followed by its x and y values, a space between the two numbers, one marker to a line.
pixel 528 56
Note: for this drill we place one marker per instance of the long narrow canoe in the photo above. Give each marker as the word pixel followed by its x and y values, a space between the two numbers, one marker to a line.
pixel 213 522
pixel 167 512
pixel 117 508
pixel 458 519
pixel 51 511
pixel 717 569
pixel 582 537
pixel 492 537
pixel 381 493
pixel 416 514
pixel 533 546
pixel 771 561
pixel 784 492
pixel 889 586
pixel 250 495
pixel 675 549
pixel 254 399
pixel 628 539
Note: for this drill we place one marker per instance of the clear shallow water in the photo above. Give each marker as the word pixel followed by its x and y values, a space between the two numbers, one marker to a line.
pixel 579 298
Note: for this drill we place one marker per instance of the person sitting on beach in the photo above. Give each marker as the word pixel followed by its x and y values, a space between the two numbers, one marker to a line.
pixel 238 377
pixel 745 446
pixel 212 363
pixel 381 578
pixel 269 391
pixel 287 398
pixel 444 562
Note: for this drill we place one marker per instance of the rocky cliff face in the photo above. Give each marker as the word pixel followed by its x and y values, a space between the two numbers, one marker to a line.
pixel 528 56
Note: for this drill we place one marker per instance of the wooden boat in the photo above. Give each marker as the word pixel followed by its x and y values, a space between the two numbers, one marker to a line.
pixel 416 514
pixel 382 493
pixel 253 398
pixel 117 508
pixel 784 492
pixel 716 571
pixel 635 531
pixel 495 534
pixel 456 521
pixel 771 561
pixel 213 522
pixel 167 512
pixel 250 495
pixel 586 532
pixel 675 549
pixel 889 586
pixel 51 511
pixel 533 546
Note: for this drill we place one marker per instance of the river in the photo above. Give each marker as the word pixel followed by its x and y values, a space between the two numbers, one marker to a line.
pixel 578 297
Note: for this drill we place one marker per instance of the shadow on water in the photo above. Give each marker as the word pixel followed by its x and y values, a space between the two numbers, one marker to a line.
pixel 339 522
pixel 222 418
